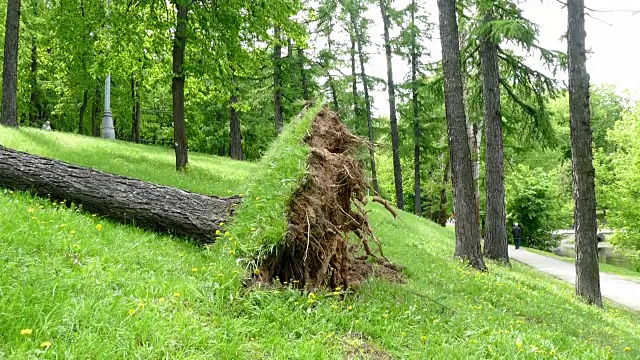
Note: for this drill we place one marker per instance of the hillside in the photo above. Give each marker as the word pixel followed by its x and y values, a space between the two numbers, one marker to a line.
pixel 77 285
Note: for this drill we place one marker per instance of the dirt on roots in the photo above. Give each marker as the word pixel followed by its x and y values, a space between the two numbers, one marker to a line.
pixel 325 209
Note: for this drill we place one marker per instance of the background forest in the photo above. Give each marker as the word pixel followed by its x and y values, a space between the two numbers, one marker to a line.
pixel 247 68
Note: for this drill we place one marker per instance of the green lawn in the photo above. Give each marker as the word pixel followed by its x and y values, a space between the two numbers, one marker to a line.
pixel 606 268
pixel 207 174
pixel 92 288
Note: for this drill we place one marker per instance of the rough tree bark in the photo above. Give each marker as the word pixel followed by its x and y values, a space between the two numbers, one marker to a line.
pixel 395 140
pixel 367 100
pixel 125 199
pixel 179 127
pixel 277 74
pixel 95 127
pixel 495 238
pixel 587 267
pixel 467 230
pixel 9 115
pixel 235 144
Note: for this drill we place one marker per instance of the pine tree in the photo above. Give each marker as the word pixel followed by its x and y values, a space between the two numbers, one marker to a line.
pixel 467 229
pixel 10 67
pixel 587 267
pixel 495 240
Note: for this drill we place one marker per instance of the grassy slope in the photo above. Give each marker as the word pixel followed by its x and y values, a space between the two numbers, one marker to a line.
pixel 186 302
pixel 220 176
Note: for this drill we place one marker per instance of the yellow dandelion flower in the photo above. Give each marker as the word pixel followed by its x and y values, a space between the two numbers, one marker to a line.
pixel 72 232
pixel 45 344
pixel 253 229
pixel 241 195
pixel 161 300
pixel 26 332
pixel 76 246
pixel 423 339
pixel 141 305
pixel 132 311
pixel 385 315
pixel 63 225
pixel 99 227
pixel 221 224
pixel 31 210
pixel 218 232
pixel 33 218
pixel 256 271
pixel 226 233
pixel 176 294
pixel 627 349
pixel 350 307
pixel 194 269
pixel 338 288
pixel 257 197
pixel 231 252
pixel 312 295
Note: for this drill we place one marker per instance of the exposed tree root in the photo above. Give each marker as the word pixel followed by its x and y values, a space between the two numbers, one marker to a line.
pixel 328 206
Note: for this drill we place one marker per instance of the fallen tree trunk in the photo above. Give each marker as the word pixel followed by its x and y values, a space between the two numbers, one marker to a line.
pixel 143 204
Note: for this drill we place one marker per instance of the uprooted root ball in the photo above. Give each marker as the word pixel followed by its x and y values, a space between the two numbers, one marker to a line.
pixel 323 211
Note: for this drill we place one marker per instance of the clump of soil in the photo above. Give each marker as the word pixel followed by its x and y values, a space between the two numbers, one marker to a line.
pixel 326 208
pixel 361 349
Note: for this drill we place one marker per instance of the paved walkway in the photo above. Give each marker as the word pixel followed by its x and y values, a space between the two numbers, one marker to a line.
pixel 613 287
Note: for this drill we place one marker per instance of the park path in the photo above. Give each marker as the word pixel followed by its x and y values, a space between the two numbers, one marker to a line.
pixel 613 287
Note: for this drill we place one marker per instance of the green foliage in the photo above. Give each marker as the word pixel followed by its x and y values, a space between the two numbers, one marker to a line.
pixel 260 226
pixel 532 202
pixel 618 175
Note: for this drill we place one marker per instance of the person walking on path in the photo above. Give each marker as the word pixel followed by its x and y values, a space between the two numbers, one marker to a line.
pixel 517 232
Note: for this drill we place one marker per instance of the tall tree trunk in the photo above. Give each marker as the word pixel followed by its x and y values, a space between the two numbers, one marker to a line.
pixel 9 115
pixel 34 101
pixel 587 267
pixel 277 73
pixel 442 221
pixel 235 146
pixel 135 112
pixel 367 100
pixel 332 84
pixel 357 111
pixel 416 121
pixel 95 127
pixel 83 108
pixel 179 127
pixel 495 239
pixel 467 229
pixel 395 141
pixel 303 74
pixel 477 131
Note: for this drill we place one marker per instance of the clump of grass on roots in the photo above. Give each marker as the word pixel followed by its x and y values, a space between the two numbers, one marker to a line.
pixel 260 224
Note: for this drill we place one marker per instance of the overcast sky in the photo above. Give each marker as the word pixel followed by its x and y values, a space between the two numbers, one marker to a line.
pixel 613 41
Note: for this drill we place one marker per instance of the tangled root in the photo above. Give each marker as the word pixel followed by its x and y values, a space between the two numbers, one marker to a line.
pixel 326 208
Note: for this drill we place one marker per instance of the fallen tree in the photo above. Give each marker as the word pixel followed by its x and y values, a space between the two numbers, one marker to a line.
pixel 143 204
pixel 314 188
